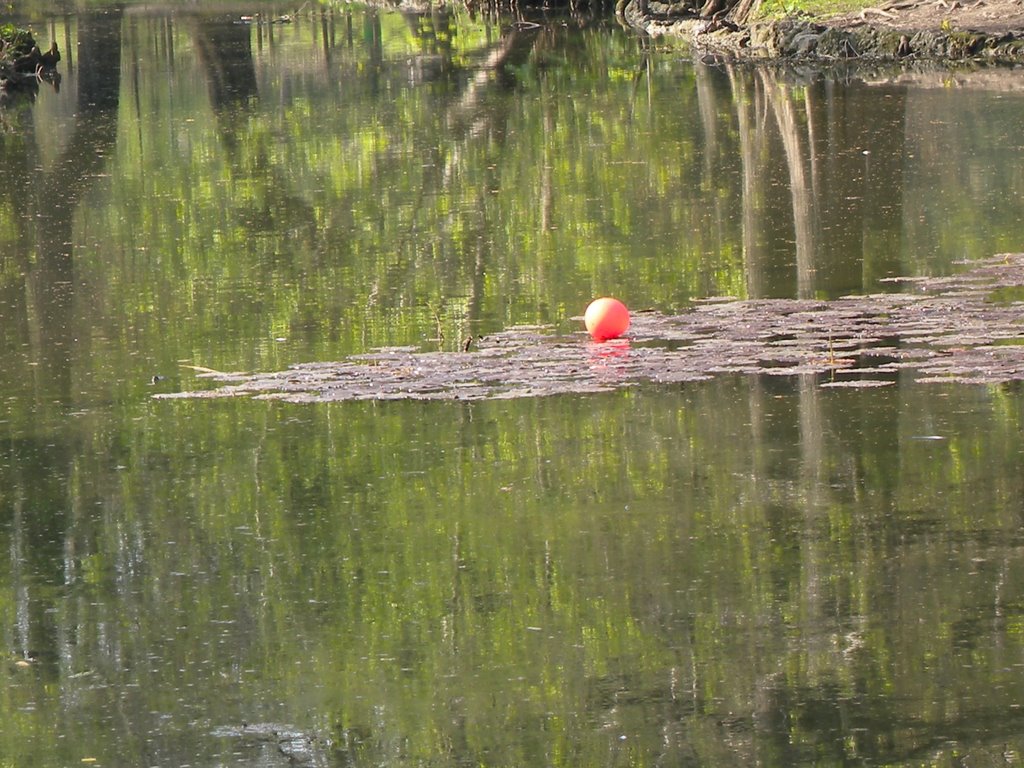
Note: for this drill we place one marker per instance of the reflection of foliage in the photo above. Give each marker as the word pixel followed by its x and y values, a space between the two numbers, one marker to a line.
pixel 375 213
pixel 537 580
pixel 735 573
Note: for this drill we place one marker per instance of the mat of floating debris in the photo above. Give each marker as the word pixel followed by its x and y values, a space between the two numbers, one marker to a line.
pixel 964 328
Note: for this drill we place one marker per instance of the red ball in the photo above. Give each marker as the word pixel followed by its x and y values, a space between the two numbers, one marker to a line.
pixel 606 318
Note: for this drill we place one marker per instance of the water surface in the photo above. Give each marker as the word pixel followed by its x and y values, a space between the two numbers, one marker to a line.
pixel 732 572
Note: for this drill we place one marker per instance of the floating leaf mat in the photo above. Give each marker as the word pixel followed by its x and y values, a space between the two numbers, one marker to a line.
pixel 966 328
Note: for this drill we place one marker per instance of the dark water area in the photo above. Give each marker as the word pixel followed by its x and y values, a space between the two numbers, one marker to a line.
pixel 744 571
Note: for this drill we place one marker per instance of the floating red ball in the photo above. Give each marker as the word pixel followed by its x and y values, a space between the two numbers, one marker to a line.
pixel 606 318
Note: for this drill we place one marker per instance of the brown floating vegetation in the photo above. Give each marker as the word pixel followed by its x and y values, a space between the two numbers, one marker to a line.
pixel 966 328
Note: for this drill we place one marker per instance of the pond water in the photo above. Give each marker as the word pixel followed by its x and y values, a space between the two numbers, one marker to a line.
pixel 749 570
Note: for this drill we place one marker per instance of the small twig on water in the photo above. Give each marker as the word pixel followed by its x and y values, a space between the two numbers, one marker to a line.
pixel 437 322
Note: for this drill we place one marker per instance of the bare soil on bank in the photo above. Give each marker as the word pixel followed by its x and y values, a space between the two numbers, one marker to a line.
pixel 995 17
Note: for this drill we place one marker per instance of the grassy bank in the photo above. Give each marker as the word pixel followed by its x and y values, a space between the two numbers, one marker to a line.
pixel 817 9
pixel 14 42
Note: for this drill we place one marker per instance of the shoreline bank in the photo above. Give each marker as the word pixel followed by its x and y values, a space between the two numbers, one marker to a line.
pixel 844 38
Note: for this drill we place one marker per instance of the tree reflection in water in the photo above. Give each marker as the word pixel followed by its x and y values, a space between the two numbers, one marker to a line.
pixel 751 569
